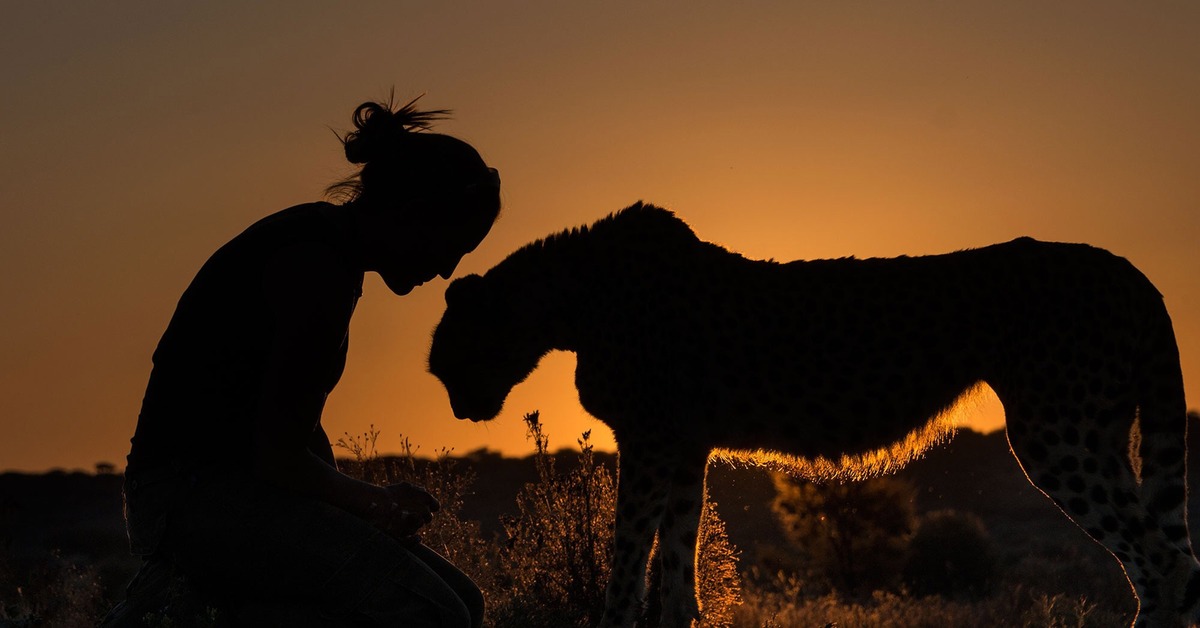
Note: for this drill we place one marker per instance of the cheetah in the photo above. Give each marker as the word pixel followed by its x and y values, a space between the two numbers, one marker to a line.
pixel 686 349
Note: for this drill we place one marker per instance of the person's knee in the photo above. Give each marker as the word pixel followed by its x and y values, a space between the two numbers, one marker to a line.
pixel 404 607
pixel 460 616
pixel 476 605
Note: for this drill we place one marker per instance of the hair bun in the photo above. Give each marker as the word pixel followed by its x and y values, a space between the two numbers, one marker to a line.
pixel 380 129
pixel 358 151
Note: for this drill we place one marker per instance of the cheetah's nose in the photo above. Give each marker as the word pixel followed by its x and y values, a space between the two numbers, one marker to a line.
pixel 459 410
pixel 474 412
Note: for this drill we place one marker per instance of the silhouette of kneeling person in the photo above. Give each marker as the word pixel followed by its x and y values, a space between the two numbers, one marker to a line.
pixel 231 482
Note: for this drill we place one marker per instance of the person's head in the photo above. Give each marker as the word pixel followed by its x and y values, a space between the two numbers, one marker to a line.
pixel 422 199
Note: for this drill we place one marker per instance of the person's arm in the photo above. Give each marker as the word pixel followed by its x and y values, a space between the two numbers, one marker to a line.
pixel 320 446
pixel 312 309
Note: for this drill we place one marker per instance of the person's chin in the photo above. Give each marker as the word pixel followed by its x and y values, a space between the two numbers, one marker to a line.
pixel 400 288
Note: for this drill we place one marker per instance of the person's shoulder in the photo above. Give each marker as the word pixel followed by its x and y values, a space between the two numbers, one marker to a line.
pixel 305 229
pixel 311 276
pixel 293 216
pixel 301 242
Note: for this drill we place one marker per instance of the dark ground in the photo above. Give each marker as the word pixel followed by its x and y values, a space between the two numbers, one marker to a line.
pixel 56 518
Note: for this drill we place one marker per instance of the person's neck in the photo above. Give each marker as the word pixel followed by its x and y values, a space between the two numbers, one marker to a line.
pixel 347 218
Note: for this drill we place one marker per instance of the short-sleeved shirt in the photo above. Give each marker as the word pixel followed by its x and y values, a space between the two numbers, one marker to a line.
pixel 210 364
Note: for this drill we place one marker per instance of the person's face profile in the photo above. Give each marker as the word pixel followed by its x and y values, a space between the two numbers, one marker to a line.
pixel 427 239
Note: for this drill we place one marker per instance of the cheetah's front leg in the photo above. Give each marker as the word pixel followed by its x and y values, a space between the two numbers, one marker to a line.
pixel 642 486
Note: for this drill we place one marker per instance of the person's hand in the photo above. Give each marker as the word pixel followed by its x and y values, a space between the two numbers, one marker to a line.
pixel 410 509
pixel 413 497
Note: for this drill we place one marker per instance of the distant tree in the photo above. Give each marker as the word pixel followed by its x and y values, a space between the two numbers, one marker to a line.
pixel 950 554
pixel 853 534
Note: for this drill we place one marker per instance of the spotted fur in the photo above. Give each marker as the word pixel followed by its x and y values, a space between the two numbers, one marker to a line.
pixel 684 348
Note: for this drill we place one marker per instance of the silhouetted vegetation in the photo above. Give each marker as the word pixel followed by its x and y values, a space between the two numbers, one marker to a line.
pixel 63 553
pixel 851 536
pixel 556 548
pixel 970 541
pixel 950 554
pixel 548 566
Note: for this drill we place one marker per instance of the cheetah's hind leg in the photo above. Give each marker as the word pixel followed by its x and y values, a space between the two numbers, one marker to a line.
pixel 1173 572
pixel 1083 464
pixel 1162 431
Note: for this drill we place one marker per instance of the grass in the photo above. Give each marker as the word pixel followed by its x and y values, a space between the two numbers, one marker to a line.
pixel 59 592
pixel 548 564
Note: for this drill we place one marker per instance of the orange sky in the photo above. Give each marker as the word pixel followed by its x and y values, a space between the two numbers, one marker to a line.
pixel 139 137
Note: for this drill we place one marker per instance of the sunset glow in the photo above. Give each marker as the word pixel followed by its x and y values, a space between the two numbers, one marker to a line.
pixel 871 463
pixel 139 140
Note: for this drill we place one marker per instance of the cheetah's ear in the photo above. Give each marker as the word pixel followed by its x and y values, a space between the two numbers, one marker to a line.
pixel 461 289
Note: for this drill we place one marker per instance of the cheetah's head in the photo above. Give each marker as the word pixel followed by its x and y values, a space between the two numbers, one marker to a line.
pixel 482 348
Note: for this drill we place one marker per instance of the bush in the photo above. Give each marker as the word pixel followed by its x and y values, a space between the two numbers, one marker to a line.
pixel 554 566
pixel 852 535
pixel 950 554
pixel 551 567
pixel 718 582
pixel 458 540
pixel 60 592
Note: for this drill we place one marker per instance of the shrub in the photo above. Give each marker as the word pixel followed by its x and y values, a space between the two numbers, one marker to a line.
pixel 851 535
pixel 60 592
pixel 458 540
pixel 718 582
pixel 554 566
pixel 950 554
pixel 554 563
